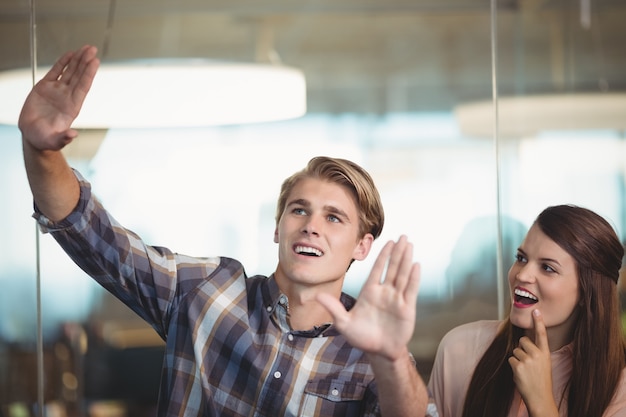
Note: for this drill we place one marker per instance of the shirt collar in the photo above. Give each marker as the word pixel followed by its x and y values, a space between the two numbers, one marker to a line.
pixel 275 304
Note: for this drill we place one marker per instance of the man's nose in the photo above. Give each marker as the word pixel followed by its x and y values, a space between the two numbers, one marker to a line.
pixel 312 225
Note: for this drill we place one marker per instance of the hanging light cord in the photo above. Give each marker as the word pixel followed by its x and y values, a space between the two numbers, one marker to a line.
pixel 39 325
pixel 496 129
pixel 109 29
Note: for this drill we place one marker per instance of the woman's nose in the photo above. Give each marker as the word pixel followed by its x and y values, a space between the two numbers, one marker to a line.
pixel 525 273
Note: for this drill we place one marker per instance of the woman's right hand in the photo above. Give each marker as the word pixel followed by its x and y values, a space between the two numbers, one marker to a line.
pixel 532 371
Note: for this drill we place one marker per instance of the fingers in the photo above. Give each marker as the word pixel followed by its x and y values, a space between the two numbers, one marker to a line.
pixel 521 352
pixel 412 288
pixel 401 273
pixel 541 335
pixel 400 263
pixel 73 66
pixel 57 69
pixel 379 264
pixel 86 68
pixel 527 348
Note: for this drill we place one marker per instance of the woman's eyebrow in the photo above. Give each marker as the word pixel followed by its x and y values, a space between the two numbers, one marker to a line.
pixel 550 260
pixel 521 252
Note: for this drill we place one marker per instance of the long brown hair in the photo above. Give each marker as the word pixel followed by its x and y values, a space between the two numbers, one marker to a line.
pixel 598 344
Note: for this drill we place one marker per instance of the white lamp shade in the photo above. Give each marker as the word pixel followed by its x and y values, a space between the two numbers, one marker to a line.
pixel 528 115
pixel 174 93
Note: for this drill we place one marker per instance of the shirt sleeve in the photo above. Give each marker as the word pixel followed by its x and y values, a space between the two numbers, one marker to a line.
pixel 457 355
pixel 148 279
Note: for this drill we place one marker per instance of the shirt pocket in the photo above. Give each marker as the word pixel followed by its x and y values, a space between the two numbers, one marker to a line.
pixel 336 397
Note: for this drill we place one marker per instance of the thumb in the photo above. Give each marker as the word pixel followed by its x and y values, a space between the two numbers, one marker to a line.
pixel 334 307
pixel 541 335
pixel 65 138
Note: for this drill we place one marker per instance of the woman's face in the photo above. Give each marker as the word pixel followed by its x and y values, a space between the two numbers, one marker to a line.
pixel 544 277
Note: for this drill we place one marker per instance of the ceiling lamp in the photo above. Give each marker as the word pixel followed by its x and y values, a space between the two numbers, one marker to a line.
pixel 527 115
pixel 174 93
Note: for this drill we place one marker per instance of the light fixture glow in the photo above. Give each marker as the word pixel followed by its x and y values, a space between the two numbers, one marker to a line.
pixel 174 93
pixel 528 115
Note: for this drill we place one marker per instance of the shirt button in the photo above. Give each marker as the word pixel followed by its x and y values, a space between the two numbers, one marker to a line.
pixel 268 308
pixel 290 337
pixel 335 392
pixel 277 374
pixel 282 300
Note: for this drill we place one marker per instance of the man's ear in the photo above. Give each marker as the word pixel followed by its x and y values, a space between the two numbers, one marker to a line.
pixel 363 247
pixel 276 235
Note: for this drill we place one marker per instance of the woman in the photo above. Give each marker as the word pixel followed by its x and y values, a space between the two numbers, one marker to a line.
pixel 561 351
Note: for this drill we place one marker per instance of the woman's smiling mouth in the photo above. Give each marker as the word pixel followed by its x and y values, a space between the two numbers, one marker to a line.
pixel 523 298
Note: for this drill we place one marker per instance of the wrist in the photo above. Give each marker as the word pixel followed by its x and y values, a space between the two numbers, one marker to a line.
pixel 397 360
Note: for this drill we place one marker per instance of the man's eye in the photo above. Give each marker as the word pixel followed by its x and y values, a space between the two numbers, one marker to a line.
pixel 299 211
pixel 334 219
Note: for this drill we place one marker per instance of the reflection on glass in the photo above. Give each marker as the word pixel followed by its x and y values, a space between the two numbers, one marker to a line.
pixel 438 185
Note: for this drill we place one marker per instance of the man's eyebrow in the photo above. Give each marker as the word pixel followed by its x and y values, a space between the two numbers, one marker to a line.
pixel 299 202
pixel 337 211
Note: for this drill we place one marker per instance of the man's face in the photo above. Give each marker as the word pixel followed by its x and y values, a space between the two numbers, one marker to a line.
pixel 318 235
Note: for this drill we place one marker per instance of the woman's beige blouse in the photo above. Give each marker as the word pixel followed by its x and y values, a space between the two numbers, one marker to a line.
pixel 461 349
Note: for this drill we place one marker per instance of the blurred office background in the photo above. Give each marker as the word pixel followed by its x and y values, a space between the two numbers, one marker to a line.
pixel 472 116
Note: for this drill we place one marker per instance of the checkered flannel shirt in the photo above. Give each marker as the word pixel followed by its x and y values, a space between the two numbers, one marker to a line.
pixel 229 348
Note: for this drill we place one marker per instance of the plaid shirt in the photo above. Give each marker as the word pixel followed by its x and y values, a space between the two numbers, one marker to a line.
pixel 229 348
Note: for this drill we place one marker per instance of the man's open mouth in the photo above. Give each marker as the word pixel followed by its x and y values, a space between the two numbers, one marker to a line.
pixel 308 251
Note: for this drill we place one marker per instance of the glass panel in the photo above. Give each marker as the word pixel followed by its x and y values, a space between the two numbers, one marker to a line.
pixel 18 299
pixel 386 85
pixel 562 65
pixel 19 387
pixel 382 85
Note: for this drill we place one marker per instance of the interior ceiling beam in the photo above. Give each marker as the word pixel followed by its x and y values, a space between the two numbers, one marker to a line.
pixel 10 10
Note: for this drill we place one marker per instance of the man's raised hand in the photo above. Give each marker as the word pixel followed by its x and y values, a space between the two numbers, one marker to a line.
pixel 55 101
pixel 383 319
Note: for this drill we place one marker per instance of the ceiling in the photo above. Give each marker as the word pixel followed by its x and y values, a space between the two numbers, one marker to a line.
pixel 359 56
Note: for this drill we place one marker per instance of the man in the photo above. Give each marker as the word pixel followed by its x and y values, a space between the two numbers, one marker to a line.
pixel 289 344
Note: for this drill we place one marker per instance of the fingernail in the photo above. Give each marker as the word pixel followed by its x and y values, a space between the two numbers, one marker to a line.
pixel 536 312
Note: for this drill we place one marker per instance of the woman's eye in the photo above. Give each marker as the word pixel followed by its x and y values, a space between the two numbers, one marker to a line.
pixel 520 258
pixel 548 268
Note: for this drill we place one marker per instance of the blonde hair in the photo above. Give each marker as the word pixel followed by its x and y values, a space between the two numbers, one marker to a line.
pixel 348 175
